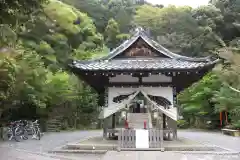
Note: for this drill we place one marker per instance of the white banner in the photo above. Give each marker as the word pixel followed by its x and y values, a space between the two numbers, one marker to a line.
pixel 142 140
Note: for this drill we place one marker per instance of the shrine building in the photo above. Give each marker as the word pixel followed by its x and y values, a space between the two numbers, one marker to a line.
pixel 139 80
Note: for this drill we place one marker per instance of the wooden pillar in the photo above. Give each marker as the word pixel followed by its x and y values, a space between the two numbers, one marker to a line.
pixel 113 122
pixel 164 121
pixel 160 127
pixel 105 128
pixel 175 131
pixel 161 137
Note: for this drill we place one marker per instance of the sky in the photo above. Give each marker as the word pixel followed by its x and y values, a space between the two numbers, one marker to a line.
pixel 192 3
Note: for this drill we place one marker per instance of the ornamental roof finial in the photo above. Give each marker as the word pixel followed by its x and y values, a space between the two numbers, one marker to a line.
pixel 139 29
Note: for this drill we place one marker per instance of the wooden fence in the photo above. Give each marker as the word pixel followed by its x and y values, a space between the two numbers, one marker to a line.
pixel 127 138
pixel 155 138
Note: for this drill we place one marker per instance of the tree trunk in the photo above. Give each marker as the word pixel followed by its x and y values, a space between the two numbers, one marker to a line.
pixel 226 117
pixel 1 111
pixel 220 117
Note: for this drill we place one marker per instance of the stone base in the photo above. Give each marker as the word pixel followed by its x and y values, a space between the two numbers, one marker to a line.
pixel 232 132
pixel 98 145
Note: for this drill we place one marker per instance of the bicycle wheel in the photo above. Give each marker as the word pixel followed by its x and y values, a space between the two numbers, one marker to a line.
pixel 17 134
pixel 38 135
pixel 25 134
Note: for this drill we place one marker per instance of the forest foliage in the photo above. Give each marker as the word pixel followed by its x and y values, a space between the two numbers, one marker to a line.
pixel 39 37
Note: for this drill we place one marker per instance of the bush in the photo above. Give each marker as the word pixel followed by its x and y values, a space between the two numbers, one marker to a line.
pixel 182 124
pixel 236 125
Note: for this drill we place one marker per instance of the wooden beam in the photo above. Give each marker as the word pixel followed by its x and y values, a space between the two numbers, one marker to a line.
pixel 137 84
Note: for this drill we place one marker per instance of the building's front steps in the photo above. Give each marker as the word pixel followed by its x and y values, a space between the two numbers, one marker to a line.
pixel 136 120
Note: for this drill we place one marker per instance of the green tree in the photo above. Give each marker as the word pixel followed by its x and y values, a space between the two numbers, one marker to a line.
pixel 196 102
pixel 112 34
pixel 58 31
pixel 94 9
pixel 177 29
pixel 11 11
pixel 230 10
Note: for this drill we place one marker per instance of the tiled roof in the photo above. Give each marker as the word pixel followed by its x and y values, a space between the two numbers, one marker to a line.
pixel 175 61
pixel 139 64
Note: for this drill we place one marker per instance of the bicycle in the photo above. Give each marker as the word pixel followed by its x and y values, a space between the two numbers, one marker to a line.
pixel 34 126
pixel 12 132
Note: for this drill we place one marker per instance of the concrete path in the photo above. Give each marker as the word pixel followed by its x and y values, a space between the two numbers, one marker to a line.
pixel 212 138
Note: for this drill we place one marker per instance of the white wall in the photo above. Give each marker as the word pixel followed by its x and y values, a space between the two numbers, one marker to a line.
pixel 151 78
pixel 123 78
pixel 157 78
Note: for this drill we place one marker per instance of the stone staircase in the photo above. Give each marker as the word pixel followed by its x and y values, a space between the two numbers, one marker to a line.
pixel 136 120
pixel 54 124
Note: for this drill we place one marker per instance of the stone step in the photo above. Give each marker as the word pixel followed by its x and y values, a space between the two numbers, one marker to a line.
pixel 136 120
pixel 54 124
pixel 90 147
pixel 67 151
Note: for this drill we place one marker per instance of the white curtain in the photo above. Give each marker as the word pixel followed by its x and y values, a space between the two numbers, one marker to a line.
pixel 113 107
pixel 171 113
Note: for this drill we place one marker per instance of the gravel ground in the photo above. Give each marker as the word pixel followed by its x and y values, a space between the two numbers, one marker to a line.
pixel 166 156
pixel 49 141
pixel 32 148
pixel 212 138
